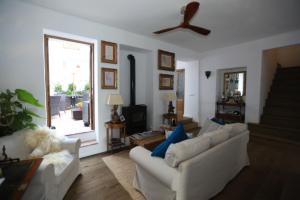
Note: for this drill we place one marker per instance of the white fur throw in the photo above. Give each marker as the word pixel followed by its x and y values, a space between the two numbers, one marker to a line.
pixel 60 160
pixel 42 141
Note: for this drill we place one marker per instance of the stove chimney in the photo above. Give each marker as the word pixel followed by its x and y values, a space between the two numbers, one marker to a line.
pixel 132 79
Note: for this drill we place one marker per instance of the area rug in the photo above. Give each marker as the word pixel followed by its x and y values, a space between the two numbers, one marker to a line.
pixel 124 169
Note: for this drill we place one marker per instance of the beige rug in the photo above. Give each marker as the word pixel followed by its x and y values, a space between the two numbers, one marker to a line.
pixel 124 169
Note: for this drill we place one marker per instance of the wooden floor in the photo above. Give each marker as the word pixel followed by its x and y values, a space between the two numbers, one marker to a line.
pixel 96 182
pixel 274 174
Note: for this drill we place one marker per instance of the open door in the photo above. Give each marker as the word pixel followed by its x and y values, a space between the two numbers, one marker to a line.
pixel 180 93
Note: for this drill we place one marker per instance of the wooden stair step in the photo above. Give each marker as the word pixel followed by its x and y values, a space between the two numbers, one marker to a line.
pixel 190 125
pixel 273 131
pixel 185 120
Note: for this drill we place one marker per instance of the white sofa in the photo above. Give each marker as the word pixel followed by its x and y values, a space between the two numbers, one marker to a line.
pixel 49 182
pixel 198 178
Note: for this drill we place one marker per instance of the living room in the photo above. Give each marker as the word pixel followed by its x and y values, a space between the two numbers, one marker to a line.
pixel 235 43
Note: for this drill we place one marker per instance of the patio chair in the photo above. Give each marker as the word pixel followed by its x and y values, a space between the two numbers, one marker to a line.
pixel 54 104
pixel 62 104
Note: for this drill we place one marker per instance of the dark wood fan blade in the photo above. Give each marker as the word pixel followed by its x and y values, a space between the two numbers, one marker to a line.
pixel 166 30
pixel 198 29
pixel 190 11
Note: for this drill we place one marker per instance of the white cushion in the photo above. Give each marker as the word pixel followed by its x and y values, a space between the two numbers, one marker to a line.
pixel 63 163
pixel 236 128
pixel 209 126
pixel 186 149
pixel 218 136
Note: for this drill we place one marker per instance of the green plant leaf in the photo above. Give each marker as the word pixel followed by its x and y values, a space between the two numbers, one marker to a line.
pixel 27 97
pixel 29 112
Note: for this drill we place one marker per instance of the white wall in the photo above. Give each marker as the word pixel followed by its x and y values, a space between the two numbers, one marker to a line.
pixel 191 88
pixel 247 54
pixel 22 57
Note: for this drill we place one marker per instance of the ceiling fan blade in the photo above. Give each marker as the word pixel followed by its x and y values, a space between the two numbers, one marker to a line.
pixel 190 11
pixel 166 30
pixel 198 29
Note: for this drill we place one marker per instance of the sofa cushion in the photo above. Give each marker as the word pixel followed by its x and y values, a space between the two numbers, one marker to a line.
pixel 209 126
pixel 236 128
pixel 186 149
pixel 63 163
pixel 218 136
pixel 178 135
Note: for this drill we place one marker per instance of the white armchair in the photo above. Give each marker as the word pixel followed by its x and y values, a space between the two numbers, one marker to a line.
pixel 49 182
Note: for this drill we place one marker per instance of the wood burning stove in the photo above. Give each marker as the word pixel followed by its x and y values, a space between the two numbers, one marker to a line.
pixel 135 115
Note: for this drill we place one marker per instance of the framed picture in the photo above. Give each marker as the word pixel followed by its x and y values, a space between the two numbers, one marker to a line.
pixel 109 78
pixel 166 81
pixel 166 60
pixel 109 52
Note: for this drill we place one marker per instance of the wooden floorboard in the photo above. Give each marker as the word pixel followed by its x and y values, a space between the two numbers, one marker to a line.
pixel 96 182
pixel 273 174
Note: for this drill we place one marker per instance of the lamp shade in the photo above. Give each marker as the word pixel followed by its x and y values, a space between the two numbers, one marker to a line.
pixel 170 96
pixel 114 99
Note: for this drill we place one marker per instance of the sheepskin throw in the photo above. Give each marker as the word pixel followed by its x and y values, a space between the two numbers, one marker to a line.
pixel 42 141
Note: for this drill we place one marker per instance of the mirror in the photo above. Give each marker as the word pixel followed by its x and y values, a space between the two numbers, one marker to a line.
pixel 234 84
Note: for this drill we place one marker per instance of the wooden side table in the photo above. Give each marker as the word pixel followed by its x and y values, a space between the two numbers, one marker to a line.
pixel 110 140
pixel 149 142
pixel 170 117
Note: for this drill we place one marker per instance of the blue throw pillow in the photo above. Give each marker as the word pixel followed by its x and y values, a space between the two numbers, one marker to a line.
pixel 178 135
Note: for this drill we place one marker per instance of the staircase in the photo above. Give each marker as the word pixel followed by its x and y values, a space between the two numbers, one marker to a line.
pixel 190 126
pixel 281 115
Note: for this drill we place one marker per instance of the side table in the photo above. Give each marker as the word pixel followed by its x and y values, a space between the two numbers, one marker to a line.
pixel 170 117
pixel 111 141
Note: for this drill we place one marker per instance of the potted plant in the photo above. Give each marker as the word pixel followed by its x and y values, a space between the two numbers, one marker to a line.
pixel 14 115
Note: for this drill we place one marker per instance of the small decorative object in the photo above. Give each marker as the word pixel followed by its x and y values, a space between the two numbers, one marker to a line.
pixel 170 97
pixel 207 74
pixel 114 100
pixel 109 52
pixel 122 118
pixel 166 81
pixel 6 159
pixel 109 78
pixel 166 60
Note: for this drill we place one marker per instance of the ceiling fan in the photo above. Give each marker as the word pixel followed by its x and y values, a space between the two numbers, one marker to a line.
pixel 189 11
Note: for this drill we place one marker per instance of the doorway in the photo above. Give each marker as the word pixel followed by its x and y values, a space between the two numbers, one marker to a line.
pixel 180 93
pixel 69 78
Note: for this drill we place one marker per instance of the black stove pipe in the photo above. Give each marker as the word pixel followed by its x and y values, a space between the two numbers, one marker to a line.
pixel 132 79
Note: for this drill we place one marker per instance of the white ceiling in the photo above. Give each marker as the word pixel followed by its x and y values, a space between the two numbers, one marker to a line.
pixel 231 21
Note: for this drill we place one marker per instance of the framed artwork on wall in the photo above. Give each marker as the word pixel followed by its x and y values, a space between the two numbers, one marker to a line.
pixel 166 60
pixel 109 78
pixel 109 52
pixel 166 81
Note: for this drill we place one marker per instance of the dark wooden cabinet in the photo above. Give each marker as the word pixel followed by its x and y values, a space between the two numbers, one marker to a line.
pixel 230 112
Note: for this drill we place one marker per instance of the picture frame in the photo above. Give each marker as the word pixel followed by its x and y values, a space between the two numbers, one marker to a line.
pixel 109 78
pixel 166 60
pixel 109 52
pixel 166 82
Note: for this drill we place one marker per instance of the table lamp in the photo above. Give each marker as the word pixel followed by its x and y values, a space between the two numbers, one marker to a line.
pixel 114 100
pixel 170 97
